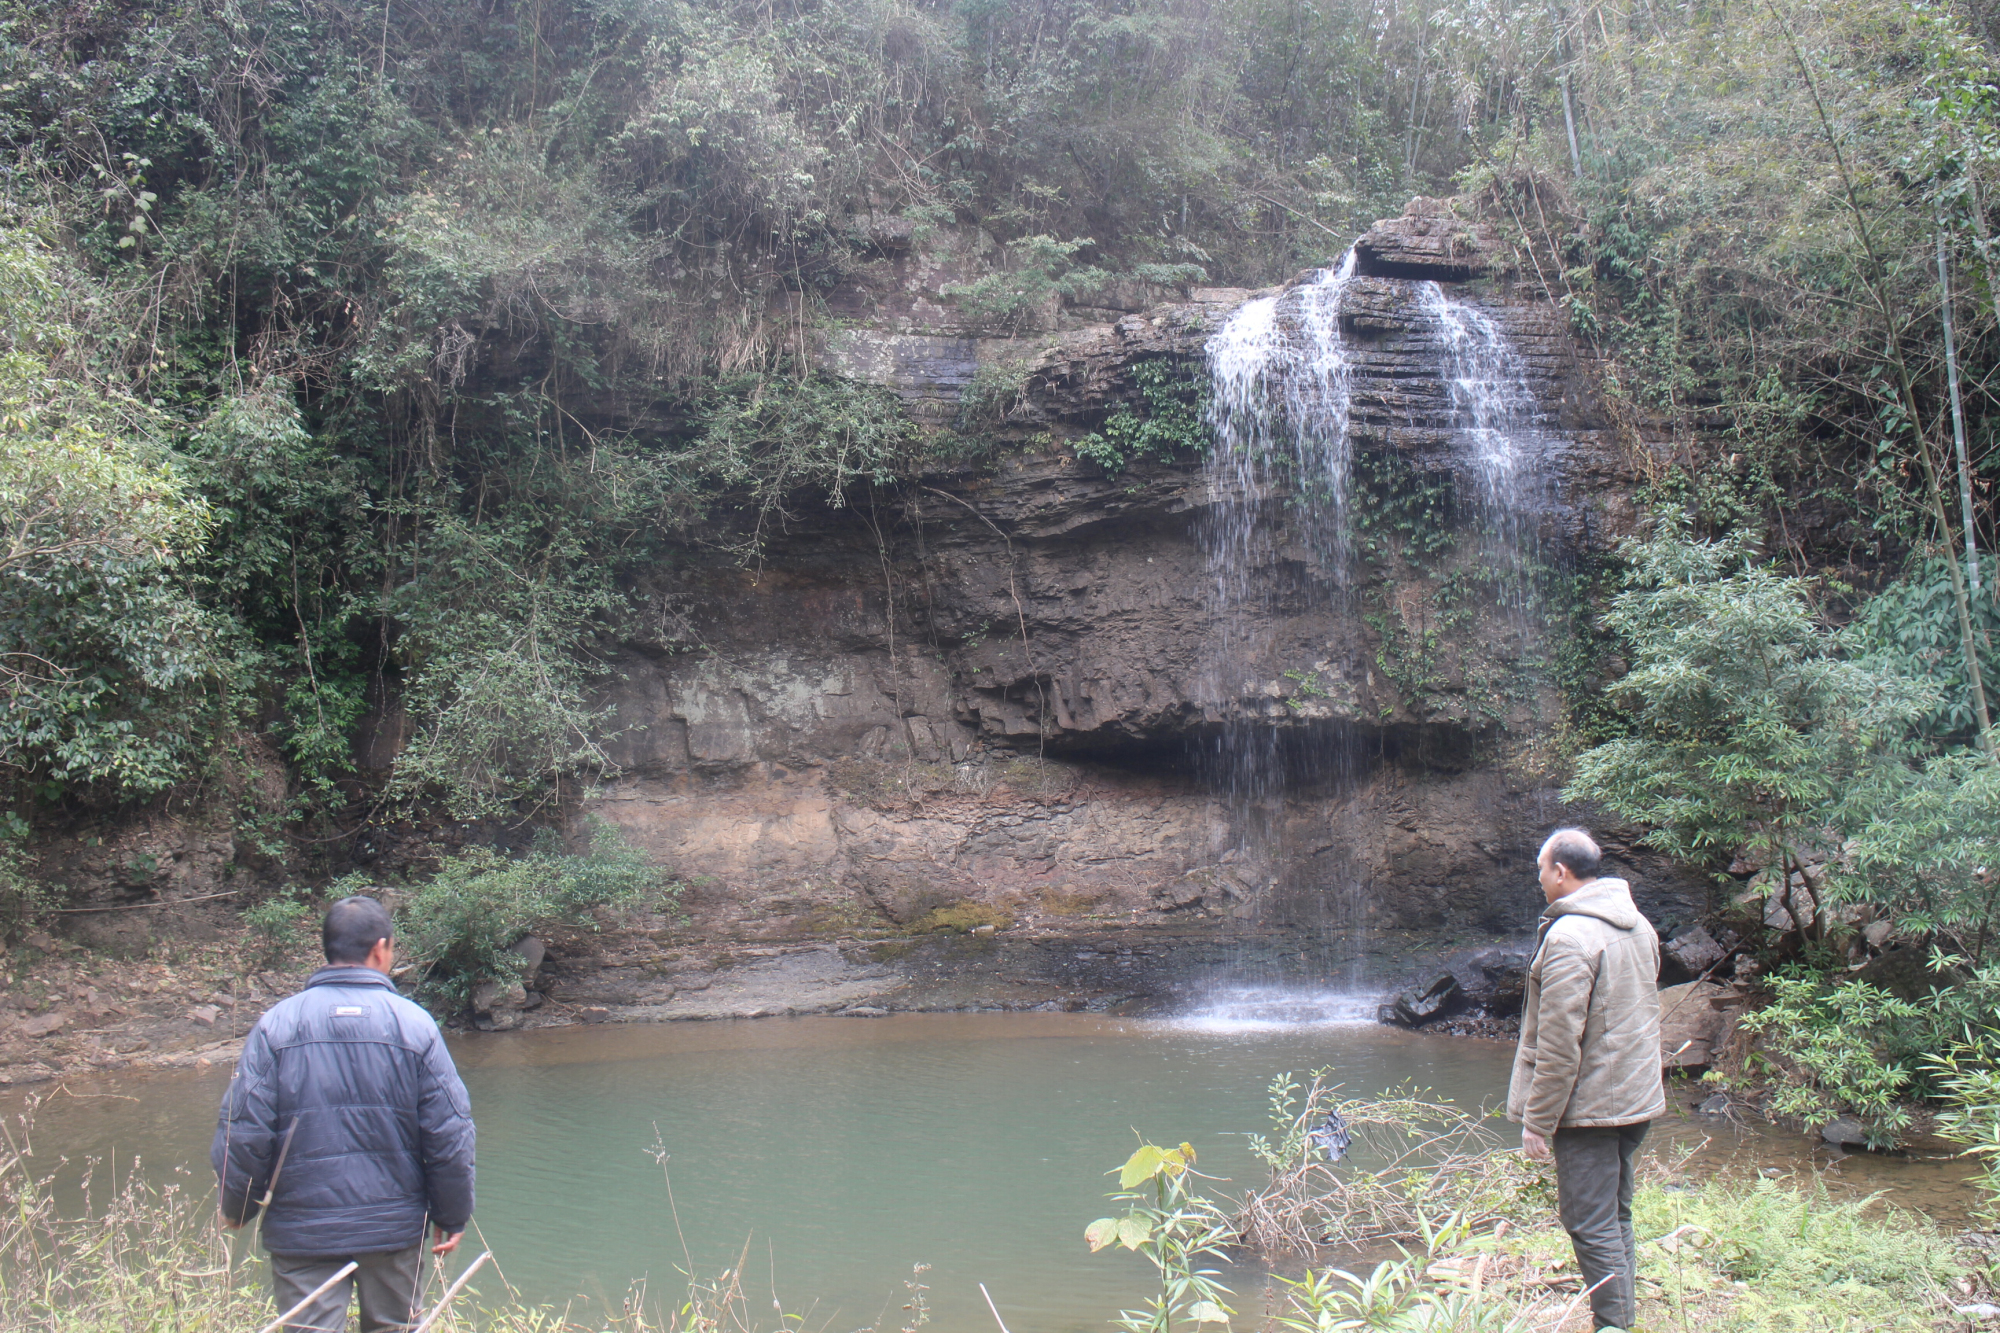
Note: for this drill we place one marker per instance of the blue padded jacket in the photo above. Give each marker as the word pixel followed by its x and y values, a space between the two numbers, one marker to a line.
pixel 379 1125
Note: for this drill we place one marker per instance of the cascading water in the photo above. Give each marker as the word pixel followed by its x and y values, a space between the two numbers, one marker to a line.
pixel 1494 410
pixel 1280 540
pixel 1281 382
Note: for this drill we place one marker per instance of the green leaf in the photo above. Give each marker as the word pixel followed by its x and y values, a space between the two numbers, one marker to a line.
pixel 1208 1312
pixel 1102 1232
pixel 1141 1166
pixel 1134 1230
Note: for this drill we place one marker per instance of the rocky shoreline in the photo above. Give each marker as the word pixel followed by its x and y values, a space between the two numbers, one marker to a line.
pixel 66 1009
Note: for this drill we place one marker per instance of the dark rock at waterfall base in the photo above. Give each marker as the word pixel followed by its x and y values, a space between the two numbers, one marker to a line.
pixel 1495 980
pixel 1469 1025
pixel 1417 1006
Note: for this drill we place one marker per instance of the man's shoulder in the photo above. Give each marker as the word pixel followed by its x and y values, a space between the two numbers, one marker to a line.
pixel 303 1015
pixel 1577 933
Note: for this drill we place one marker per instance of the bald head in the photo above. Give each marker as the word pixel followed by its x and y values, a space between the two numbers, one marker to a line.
pixel 1568 861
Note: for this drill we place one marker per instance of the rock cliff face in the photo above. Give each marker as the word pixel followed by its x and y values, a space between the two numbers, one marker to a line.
pixel 999 689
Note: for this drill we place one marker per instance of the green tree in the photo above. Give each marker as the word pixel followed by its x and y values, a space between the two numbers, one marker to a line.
pixel 111 670
pixel 1747 723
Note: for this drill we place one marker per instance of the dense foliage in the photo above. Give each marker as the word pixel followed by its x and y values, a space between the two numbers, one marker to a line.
pixel 370 348
pixel 355 359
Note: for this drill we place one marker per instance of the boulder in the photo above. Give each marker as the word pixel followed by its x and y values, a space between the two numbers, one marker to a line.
pixel 1844 1132
pixel 1693 951
pixel 1904 972
pixel 499 1006
pixel 532 952
pixel 205 1014
pixel 1418 1005
pixel 1495 981
pixel 1695 1017
pixel 42 1025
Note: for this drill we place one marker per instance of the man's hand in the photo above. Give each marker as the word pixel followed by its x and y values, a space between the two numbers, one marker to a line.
pixel 1534 1145
pixel 447 1241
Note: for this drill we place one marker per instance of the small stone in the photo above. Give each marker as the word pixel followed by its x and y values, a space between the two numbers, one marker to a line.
pixel 1715 1105
pixel 204 1014
pixel 43 1025
pixel 593 1013
pixel 1845 1132
pixel 863 1011
pixel 1876 933
pixel 36 939
pixel 1977 1310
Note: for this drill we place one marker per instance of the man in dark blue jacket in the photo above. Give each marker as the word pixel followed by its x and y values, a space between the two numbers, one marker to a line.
pixel 346 1124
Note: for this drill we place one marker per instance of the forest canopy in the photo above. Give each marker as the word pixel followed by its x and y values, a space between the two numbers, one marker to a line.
pixel 355 351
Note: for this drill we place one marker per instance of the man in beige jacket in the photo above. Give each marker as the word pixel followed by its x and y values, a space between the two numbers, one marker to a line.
pixel 1587 1076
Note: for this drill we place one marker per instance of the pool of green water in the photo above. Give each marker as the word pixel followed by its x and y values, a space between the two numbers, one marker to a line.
pixel 824 1159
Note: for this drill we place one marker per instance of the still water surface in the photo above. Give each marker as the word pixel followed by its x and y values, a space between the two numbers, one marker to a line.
pixel 835 1153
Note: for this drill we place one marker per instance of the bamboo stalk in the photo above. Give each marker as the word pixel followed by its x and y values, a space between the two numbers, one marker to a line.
pixel 994 1308
pixel 1957 418
pixel 451 1293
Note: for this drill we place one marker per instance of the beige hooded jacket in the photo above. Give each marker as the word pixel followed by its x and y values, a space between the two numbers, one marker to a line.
pixel 1590 1032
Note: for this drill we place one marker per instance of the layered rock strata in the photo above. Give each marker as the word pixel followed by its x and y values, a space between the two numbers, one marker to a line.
pixel 996 687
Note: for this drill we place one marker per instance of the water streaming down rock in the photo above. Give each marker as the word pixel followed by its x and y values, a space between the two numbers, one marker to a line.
pixel 1284 413
pixel 1280 379
pixel 1494 411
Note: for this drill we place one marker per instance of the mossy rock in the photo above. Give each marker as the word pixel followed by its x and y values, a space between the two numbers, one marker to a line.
pixel 961 919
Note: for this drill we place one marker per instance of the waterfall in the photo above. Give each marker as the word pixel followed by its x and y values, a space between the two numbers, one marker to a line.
pixel 1494 412
pixel 1280 540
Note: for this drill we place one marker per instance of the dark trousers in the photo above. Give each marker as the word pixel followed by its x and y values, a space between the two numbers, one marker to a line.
pixel 1594 1201
pixel 387 1285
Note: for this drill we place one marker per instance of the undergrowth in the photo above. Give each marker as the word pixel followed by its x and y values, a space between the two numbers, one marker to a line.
pixel 1485 1251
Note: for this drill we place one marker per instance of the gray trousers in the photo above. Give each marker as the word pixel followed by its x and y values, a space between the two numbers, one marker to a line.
pixel 1594 1201
pixel 388 1286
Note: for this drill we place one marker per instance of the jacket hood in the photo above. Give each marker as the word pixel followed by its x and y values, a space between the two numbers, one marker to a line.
pixel 1607 899
pixel 354 974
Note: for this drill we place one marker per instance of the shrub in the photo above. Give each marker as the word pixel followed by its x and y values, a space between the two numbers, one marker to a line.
pixel 1748 727
pixel 1173 423
pixel 460 929
pixel 274 924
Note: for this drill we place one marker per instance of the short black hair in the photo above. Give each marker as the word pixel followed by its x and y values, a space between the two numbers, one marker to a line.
pixel 1577 850
pixel 351 928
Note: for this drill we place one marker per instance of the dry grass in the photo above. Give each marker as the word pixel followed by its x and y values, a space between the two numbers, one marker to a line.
pixel 1413 1158
pixel 153 1258
pixel 1481 1251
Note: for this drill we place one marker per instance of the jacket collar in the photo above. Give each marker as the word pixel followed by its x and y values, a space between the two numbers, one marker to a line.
pixel 1606 898
pixel 348 974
